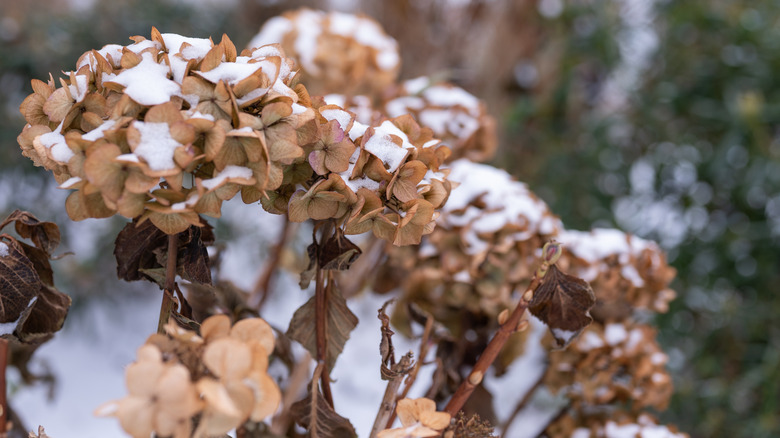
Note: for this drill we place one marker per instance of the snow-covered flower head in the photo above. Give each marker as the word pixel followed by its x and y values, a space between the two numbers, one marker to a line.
pixel 167 128
pixel 338 52
pixel 455 116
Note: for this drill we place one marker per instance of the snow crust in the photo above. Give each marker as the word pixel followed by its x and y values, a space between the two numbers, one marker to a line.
pixel 156 146
pixel 9 327
pixel 506 202
pixel 147 83
pixel 229 172
pixel 55 143
pixel 3 249
pixel 600 243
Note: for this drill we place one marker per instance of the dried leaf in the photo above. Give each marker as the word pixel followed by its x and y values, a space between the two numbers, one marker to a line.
pixel 45 235
pixel 19 283
pixel 141 253
pixel 47 316
pixel 338 252
pixel 563 302
pixel 341 321
pixel 316 415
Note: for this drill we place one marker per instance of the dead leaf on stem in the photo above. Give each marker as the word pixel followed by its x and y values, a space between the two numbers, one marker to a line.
pixel 563 303
pixel 341 321
pixel 141 252
pixel 316 415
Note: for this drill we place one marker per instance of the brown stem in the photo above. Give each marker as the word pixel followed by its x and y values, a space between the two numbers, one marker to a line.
pixel 3 390
pixel 262 288
pixel 386 408
pixel 321 323
pixel 168 305
pixel 412 377
pixel 298 378
pixel 489 355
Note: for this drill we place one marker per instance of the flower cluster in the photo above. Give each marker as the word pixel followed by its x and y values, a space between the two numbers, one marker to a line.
pixel 626 272
pixel 612 364
pixel 455 116
pixel 167 128
pixel 336 51
pixel 485 244
pixel 615 427
pixel 419 419
pixel 384 178
pixel 217 380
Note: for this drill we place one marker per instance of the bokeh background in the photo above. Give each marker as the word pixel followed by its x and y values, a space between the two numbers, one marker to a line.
pixel 659 117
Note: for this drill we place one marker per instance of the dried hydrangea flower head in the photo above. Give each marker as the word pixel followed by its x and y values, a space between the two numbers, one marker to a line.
pixel 618 425
pixel 627 273
pixel 338 52
pixel 485 243
pixel 384 179
pixel 613 364
pixel 220 375
pixel 162 398
pixel 455 116
pixel 419 419
pixel 167 128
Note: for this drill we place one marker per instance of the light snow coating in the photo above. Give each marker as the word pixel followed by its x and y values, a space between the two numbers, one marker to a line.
pixel 644 428
pixel 506 202
pixel 440 107
pixel 197 48
pixel 381 145
pixel 156 146
pixel 232 72
pixel 79 90
pixel 98 132
pixel 600 243
pixel 55 143
pixel 147 83
pixel 3 249
pixel 229 172
pixel 72 181
pixel 340 115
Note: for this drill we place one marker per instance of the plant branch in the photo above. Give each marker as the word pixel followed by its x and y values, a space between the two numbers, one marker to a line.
pixel 321 315
pixel 168 304
pixel 488 356
pixel 3 390
pixel 412 377
pixel 387 407
pixel 262 288
pixel 298 378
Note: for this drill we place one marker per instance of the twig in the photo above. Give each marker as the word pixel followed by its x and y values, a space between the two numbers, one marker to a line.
pixel 297 380
pixel 262 288
pixel 412 377
pixel 168 304
pixel 3 390
pixel 387 407
pixel 491 352
pixel 321 315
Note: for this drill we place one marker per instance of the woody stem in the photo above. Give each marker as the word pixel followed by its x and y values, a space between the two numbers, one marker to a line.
pixel 321 323
pixel 168 305
pixel 488 356
pixel 3 395
pixel 261 291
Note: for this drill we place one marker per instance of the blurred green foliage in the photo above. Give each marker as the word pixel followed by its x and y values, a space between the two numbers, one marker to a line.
pixel 691 159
